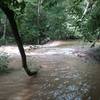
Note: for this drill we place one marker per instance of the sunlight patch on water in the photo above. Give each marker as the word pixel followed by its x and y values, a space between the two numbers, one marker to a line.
pixel 12 51
pixel 65 51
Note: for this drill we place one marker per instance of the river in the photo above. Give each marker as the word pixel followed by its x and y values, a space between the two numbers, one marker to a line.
pixel 66 72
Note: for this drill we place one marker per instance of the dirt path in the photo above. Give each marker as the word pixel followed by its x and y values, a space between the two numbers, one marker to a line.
pixel 65 73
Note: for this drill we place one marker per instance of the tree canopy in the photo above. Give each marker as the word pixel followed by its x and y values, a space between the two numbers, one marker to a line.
pixel 56 19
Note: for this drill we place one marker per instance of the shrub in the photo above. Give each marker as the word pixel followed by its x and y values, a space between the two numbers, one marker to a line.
pixel 3 62
pixel 2 41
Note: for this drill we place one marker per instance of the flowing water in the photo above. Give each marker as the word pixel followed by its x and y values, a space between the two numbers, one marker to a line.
pixel 66 72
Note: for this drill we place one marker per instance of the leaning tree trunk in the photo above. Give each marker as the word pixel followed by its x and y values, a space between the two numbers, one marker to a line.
pixel 10 15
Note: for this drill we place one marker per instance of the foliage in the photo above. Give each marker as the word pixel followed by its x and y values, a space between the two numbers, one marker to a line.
pixel 30 30
pixel 90 24
pixel 57 19
pixel 3 62
pixel 2 41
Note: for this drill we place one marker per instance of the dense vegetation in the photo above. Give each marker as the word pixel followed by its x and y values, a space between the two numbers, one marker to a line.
pixel 56 19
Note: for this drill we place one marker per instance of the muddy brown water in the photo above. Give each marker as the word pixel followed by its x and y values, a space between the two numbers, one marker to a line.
pixel 64 74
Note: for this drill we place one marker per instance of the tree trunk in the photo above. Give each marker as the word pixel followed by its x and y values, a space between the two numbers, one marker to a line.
pixel 10 15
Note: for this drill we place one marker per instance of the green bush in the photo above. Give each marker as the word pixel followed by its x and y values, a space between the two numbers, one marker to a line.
pixel 3 62
pixel 10 40
pixel 2 41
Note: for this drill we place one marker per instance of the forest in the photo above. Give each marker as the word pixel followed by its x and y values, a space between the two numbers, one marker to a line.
pixel 38 20
pixel 57 42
